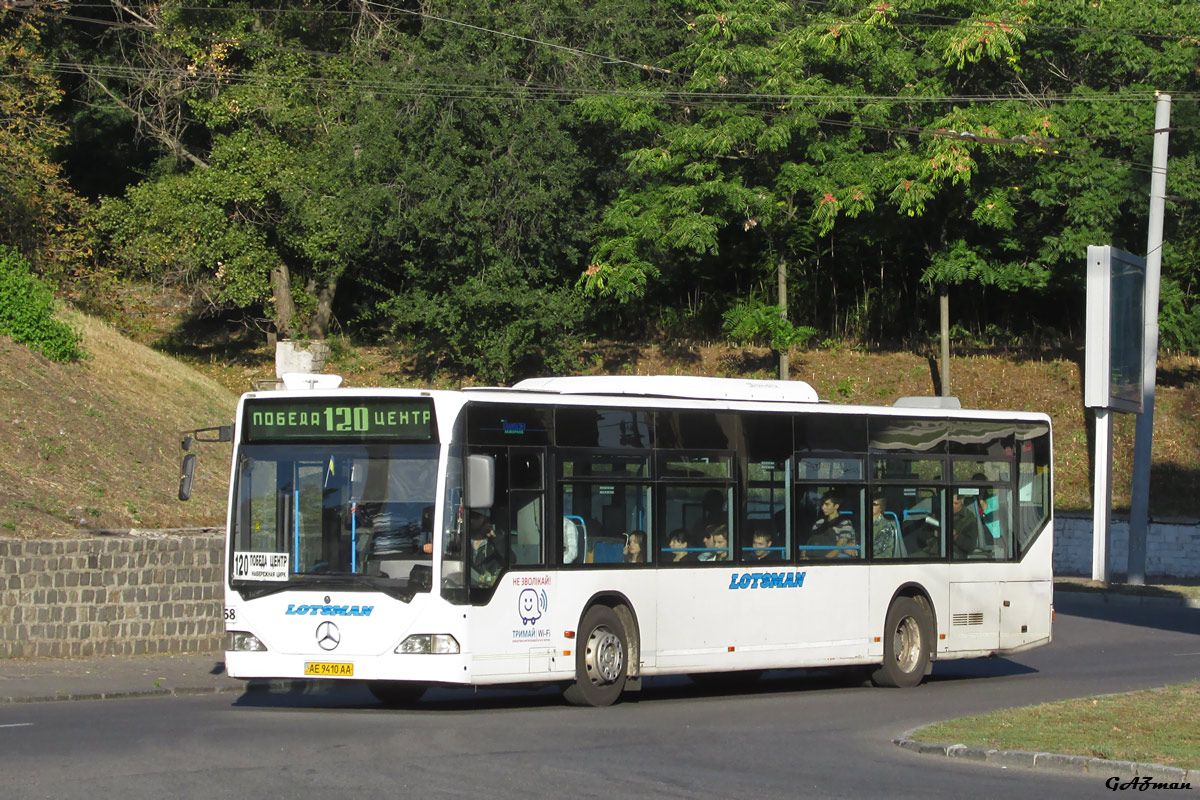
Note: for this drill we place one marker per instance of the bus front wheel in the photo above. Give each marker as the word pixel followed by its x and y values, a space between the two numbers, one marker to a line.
pixel 907 636
pixel 602 660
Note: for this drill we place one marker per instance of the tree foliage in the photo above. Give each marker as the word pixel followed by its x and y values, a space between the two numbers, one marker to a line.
pixel 490 181
pixel 39 212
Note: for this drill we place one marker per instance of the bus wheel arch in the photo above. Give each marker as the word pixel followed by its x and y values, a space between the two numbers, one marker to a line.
pixel 607 652
pixel 909 639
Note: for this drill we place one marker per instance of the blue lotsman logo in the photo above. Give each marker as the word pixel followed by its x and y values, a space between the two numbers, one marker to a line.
pixel 766 580
pixel 328 611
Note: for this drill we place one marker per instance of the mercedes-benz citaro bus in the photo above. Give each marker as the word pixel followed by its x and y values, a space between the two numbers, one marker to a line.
pixel 594 531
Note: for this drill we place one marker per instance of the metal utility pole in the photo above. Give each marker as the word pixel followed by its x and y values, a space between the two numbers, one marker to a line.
pixel 1139 509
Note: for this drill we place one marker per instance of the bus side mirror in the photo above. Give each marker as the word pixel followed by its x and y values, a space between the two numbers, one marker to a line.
pixel 186 472
pixel 481 481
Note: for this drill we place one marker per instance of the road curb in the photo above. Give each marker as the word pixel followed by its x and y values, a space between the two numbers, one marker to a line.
pixel 283 686
pixel 1122 770
pixel 1115 599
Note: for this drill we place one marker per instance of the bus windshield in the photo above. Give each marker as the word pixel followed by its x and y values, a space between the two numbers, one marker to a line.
pixel 357 513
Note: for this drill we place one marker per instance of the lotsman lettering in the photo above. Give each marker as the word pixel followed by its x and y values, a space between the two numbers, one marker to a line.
pixel 766 580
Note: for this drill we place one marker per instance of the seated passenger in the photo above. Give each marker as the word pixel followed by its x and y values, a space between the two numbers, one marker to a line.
pixel 832 531
pixel 884 530
pixel 635 548
pixel 761 542
pixel 966 527
pixel 716 541
pixel 486 560
pixel 571 538
pixel 677 547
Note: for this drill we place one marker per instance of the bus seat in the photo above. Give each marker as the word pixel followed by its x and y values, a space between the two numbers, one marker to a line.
pixel 608 552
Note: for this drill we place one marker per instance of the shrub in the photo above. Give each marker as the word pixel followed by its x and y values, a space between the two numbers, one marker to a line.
pixel 499 325
pixel 757 323
pixel 27 311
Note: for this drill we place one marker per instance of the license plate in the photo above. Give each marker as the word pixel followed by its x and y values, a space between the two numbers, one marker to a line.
pixel 327 669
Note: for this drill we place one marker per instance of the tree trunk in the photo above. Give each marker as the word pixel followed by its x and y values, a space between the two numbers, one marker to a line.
pixel 944 307
pixel 318 328
pixel 781 278
pixel 285 308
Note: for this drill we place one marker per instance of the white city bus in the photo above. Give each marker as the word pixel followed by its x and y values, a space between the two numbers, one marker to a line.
pixel 593 531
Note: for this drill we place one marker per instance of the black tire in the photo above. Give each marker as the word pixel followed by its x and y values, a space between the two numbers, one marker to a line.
pixel 396 694
pixel 602 660
pixel 907 636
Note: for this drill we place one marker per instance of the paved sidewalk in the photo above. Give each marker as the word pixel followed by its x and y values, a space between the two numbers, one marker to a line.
pixel 48 679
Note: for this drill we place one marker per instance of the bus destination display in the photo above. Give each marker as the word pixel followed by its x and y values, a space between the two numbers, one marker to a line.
pixel 349 418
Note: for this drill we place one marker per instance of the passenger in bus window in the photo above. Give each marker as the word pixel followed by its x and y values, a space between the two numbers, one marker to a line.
pixel 831 532
pixel 966 526
pixel 571 539
pixel 884 531
pixel 486 560
pixel 761 544
pixel 716 542
pixel 635 547
pixel 677 547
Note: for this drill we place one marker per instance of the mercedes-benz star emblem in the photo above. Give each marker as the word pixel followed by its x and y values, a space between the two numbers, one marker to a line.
pixel 328 635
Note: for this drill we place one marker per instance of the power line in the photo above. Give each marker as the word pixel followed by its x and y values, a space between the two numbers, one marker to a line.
pixel 571 93
pixel 935 20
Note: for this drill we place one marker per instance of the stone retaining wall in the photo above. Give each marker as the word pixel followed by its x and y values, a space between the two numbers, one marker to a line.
pixel 129 594
pixel 1172 548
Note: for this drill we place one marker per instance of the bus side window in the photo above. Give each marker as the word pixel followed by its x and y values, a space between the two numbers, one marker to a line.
pixel 836 532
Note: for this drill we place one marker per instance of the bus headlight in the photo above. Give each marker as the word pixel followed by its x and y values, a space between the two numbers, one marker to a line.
pixel 245 642
pixel 435 643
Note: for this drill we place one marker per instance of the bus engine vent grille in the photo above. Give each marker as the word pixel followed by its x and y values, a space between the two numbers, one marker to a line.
pixel 974 618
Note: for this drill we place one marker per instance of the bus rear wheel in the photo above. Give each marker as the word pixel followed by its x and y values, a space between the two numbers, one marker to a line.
pixel 602 660
pixel 396 694
pixel 907 635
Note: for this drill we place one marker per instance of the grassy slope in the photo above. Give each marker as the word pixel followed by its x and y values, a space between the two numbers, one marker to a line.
pixel 96 444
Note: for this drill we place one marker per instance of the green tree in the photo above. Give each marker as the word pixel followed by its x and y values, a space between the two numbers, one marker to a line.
pixel 39 213
pixel 915 143
pixel 249 204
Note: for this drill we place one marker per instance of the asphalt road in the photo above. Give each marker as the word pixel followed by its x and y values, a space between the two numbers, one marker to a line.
pixel 790 735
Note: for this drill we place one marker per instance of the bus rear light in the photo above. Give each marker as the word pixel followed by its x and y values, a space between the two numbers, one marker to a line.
pixel 240 641
pixel 429 643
